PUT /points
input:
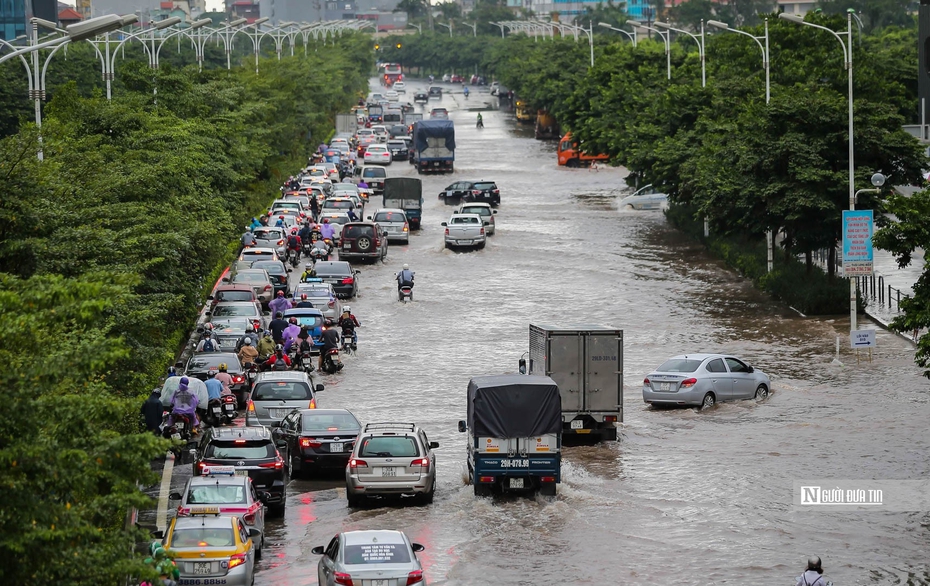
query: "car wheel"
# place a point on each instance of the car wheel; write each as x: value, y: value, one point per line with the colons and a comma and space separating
x: 277, y: 510
x: 481, y: 246
x: 762, y: 393
x: 258, y: 551
x: 354, y: 502
x: 708, y: 402
x: 363, y: 244
x: 427, y: 497
x: 482, y: 490
x: 547, y: 489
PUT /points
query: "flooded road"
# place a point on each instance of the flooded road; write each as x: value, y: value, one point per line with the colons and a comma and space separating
x: 682, y: 497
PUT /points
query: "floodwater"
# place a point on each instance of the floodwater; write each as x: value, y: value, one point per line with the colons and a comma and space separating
x: 682, y: 497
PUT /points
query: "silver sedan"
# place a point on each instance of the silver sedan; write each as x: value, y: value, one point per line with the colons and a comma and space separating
x: 704, y: 380
x: 378, y: 558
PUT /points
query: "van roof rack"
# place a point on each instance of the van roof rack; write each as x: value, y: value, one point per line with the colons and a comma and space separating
x: 390, y: 425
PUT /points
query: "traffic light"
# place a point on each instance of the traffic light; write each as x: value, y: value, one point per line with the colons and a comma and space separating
x: 398, y: 45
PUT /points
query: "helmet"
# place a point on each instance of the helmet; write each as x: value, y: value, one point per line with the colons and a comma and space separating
x: 406, y: 267
x: 308, y: 266
x: 172, y: 371
x: 280, y: 293
x: 281, y: 217
x: 247, y: 341
x: 222, y: 367
x: 294, y: 230
x: 211, y: 373
x: 279, y: 348
x: 326, y: 220
x: 249, y: 328
x: 347, y: 309
x: 813, y: 563
x: 293, y: 320
x: 208, y: 327
x: 268, y: 334
x: 303, y: 296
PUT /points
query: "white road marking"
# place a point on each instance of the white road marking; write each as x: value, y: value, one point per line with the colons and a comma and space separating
x: 161, y: 514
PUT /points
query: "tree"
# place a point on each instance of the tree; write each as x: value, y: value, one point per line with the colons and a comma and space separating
x: 875, y: 14
x: 613, y: 14
x: 415, y: 9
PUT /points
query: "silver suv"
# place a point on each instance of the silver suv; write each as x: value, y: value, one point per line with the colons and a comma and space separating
x: 277, y: 393
x: 391, y: 459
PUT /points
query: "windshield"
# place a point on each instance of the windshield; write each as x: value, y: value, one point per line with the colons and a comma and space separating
x: 203, y: 537
x: 257, y: 253
x: 233, y: 295
x: 271, y: 266
x: 212, y: 361
x: 376, y: 553
x: 333, y: 270
x: 311, y: 321
x: 464, y: 220
x: 216, y: 494
x: 339, y: 205
x: 480, y: 210
x: 248, y: 450
x: 268, y: 233
x: 485, y: 186
x: 227, y: 326
x: 389, y: 447
x: 235, y: 310
x: 313, y: 292
x: 374, y: 172
x: 679, y: 365
x: 249, y: 277
x: 390, y: 217
x: 330, y: 422
x: 281, y: 391
x: 397, y: 144
x: 337, y: 219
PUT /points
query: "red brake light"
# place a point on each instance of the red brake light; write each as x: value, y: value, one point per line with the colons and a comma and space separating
x: 239, y: 441
x: 447, y: 231
x: 280, y: 242
x: 475, y: 192
x: 486, y: 479
x: 547, y: 479
x: 421, y: 463
x: 249, y: 518
x: 343, y: 579
x: 348, y: 281
x: 610, y: 418
x: 645, y: 381
x: 267, y: 287
x: 238, y: 378
x: 183, y: 511
x: 481, y: 231
x: 277, y: 464
x: 497, y: 191
x: 236, y: 559
x: 309, y: 442
x: 200, y: 467
x: 356, y: 463
x: 414, y: 577
x: 688, y: 382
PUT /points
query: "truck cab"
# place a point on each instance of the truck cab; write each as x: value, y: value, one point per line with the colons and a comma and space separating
x: 405, y: 193
x: 571, y: 155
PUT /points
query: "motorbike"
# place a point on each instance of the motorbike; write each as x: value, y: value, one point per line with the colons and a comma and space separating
x: 465, y: 91
x: 320, y: 251
x: 214, y: 415
x: 295, y: 258
x: 181, y: 429
x: 349, y: 343
x: 331, y: 362
x: 303, y: 360
x: 405, y: 293
x: 230, y: 408
x: 480, y: 124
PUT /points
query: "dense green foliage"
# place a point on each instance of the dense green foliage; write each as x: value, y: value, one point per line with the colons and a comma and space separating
x: 107, y: 249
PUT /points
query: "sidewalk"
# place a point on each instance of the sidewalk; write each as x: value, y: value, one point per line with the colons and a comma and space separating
x: 884, y: 307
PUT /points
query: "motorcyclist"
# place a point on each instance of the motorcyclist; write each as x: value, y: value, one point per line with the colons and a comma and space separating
x: 225, y: 378
x: 152, y: 412
x: 304, y: 301
x: 405, y: 277
x: 304, y: 234
x: 266, y: 345
x: 315, y: 233
x: 294, y: 244
x: 327, y: 231
x: 214, y: 391
x: 277, y: 327
x: 309, y: 272
x: 249, y: 333
x: 314, y: 204
x: 280, y: 222
x: 352, y: 215
x: 480, y: 121
x: 263, y: 220
x: 278, y: 359
x: 208, y: 340
x: 280, y: 304
x: 465, y: 91
x: 248, y: 353
x: 290, y: 334
x: 255, y: 224
x: 330, y: 339
x: 813, y: 576
x: 184, y: 402
x: 348, y: 323
x: 164, y: 566
x: 247, y: 239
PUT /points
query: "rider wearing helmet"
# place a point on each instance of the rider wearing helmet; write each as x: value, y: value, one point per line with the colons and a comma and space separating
x: 208, y: 341
x: 327, y: 231
x: 279, y: 360
x: 348, y: 323
x: 304, y: 301
x: 309, y: 272
x: 290, y: 333
x: 266, y: 345
x: 225, y: 378
x: 405, y: 277
x: 248, y: 353
x: 249, y: 333
x: 813, y: 576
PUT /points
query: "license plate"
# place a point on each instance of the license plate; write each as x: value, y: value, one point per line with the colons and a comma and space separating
x: 577, y: 424
x: 202, y: 568
x: 176, y: 436
x: 347, y: 246
x: 229, y: 407
x: 179, y: 425
x: 277, y: 412
x: 335, y: 447
x: 217, y: 410
x: 242, y: 472
x: 665, y: 386
x: 389, y: 471
x: 463, y: 241
x: 516, y: 483
x: 381, y: 582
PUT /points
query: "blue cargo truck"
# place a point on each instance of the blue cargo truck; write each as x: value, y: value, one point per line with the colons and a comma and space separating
x: 434, y: 146
x: 514, y: 431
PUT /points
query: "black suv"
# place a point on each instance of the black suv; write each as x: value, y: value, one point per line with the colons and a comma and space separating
x: 250, y: 449
x: 435, y: 92
x: 420, y: 97
x: 365, y: 240
x: 472, y: 191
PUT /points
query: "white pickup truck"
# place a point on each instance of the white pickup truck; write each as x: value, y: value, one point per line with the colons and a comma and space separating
x: 465, y: 230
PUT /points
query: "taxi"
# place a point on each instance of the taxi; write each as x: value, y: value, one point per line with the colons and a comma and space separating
x: 229, y: 491
x: 212, y: 549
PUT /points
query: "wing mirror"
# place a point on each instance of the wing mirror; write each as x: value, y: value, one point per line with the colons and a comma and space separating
x: 433, y: 445
x: 493, y: 211
x: 318, y: 550
x: 158, y: 534
x: 174, y: 496
x: 444, y: 224
x: 318, y: 388
x: 416, y: 547
x: 522, y: 365
x: 463, y: 426
x: 254, y: 533
x: 750, y: 368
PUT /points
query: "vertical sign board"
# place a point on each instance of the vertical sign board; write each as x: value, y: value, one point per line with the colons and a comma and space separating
x: 857, y: 243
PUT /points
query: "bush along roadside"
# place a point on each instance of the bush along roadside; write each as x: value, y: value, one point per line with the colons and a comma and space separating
x: 807, y: 290
x: 107, y: 249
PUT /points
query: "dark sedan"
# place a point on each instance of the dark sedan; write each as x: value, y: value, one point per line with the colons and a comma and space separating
x: 201, y: 363
x: 340, y: 275
x: 318, y: 438
x: 420, y: 98
x: 277, y: 271
x: 398, y: 149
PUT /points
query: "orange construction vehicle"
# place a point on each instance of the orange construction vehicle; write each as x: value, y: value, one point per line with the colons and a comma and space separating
x: 570, y: 155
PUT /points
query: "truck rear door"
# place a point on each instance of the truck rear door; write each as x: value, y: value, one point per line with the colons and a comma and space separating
x: 603, y: 362
x: 565, y: 361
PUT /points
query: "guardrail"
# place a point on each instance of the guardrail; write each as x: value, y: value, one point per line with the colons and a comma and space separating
x: 874, y: 288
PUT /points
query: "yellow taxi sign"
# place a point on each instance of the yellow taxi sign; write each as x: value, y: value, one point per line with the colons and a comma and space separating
x: 205, y: 511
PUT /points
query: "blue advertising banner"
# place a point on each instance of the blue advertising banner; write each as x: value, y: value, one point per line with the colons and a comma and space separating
x: 857, y: 242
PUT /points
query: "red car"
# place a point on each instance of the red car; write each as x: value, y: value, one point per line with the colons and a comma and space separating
x: 458, y: 79
x: 232, y: 292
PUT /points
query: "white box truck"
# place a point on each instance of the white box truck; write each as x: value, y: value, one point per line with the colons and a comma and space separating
x: 586, y: 362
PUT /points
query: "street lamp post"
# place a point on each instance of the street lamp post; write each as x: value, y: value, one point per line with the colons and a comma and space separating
x: 847, y: 55
x: 419, y: 27
x: 474, y: 27
x: 500, y: 26
x: 448, y: 26
x: 700, y: 44
x: 665, y: 38
x: 632, y: 36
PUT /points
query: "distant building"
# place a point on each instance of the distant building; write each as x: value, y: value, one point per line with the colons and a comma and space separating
x: 317, y: 10
x: 69, y: 16
x: 568, y: 9
x: 148, y: 10
x: 15, y: 15
x: 795, y: 7
x: 247, y: 9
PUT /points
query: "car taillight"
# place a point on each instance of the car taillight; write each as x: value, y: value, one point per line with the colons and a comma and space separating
x: 183, y: 511
x: 406, y: 228
x: 610, y: 419
x: 447, y: 231
x: 497, y: 191
x: 200, y: 467
x: 309, y: 442
x: 414, y: 577
x: 688, y: 382
x: 481, y: 231
x: 475, y: 192
x: 332, y: 304
x: 277, y: 464
x: 645, y: 381
x: 420, y: 463
x: 267, y: 288
x: 238, y: 378
x: 237, y: 559
x: 355, y: 463
x: 342, y: 579
x: 249, y: 518
x: 312, y: 404
x: 251, y: 406
x: 348, y: 281
x: 547, y: 478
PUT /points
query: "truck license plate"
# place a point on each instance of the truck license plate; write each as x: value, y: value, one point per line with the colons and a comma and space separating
x: 389, y: 471
x: 665, y: 386
x: 335, y: 447
x: 516, y: 483
x: 577, y: 424
x: 202, y: 568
